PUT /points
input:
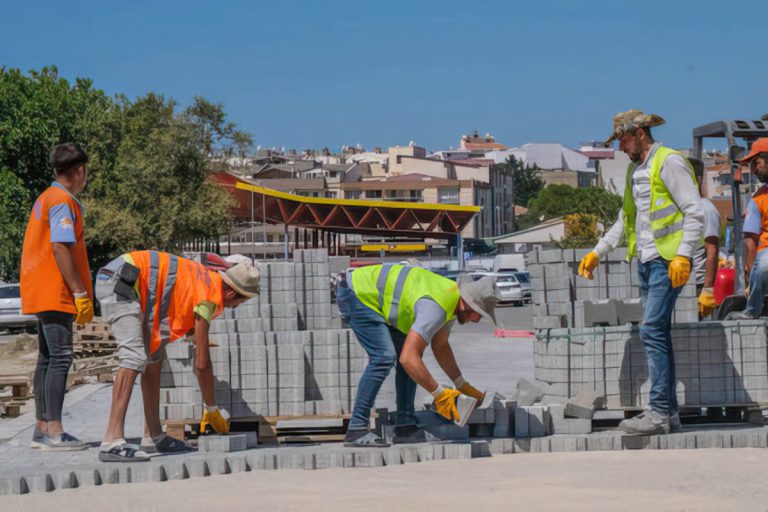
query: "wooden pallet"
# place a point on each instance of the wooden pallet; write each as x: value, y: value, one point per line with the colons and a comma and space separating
x: 272, y: 429
x: 10, y: 406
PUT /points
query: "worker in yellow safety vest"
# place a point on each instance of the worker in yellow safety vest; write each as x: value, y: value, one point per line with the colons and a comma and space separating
x: 661, y: 221
x: 396, y: 311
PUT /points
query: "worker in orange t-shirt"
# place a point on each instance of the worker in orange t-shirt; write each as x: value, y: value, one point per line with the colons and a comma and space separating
x: 56, y: 287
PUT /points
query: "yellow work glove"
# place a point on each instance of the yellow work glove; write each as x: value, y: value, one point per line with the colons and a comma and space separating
x: 470, y: 390
x: 445, y: 404
x: 84, y: 307
x: 679, y: 271
x: 214, y: 417
x: 588, y: 264
x: 706, y: 302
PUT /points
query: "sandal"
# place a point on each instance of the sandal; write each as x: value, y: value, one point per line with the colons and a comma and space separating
x: 170, y: 444
x: 123, y: 453
x: 365, y: 439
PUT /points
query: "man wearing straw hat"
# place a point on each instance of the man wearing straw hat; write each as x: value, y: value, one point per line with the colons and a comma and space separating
x: 150, y: 299
x: 661, y: 221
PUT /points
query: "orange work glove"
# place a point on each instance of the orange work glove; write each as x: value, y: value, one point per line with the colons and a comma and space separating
x: 470, y: 390
x: 706, y: 302
x: 216, y: 418
x: 84, y: 306
x: 679, y: 271
x: 588, y: 264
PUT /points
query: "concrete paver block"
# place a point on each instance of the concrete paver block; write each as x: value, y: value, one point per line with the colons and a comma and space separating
x: 528, y: 393
x: 223, y: 443
x: 584, y: 404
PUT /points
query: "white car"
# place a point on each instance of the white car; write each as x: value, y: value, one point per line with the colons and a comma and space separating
x: 508, y: 288
x: 11, y: 316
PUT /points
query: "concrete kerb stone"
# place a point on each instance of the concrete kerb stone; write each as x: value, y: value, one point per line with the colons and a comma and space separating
x: 330, y: 456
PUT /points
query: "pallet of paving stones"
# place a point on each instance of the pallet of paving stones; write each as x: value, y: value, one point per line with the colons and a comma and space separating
x: 562, y: 299
x: 717, y: 364
x: 282, y: 353
x: 93, y: 339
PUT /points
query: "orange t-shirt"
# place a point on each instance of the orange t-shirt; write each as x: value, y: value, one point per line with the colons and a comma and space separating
x: 56, y: 217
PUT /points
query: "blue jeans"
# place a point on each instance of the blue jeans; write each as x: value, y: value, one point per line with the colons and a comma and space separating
x: 758, y: 284
x: 656, y: 333
x: 383, y: 345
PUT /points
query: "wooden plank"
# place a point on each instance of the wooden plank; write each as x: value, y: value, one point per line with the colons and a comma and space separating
x: 312, y: 438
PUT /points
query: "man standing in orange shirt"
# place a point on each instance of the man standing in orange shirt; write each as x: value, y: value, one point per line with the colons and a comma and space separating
x: 56, y: 286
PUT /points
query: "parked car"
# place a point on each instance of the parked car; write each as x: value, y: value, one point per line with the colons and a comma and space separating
x: 525, y: 285
x: 11, y: 316
x: 509, y: 289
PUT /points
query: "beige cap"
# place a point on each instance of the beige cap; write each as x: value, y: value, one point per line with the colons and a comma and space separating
x: 630, y: 120
x: 242, y: 278
x: 480, y: 295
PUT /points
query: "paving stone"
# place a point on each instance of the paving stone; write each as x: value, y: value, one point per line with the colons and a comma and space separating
x: 480, y: 449
x: 531, y: 421
x: 528, y: 393
x: 37, y: 483
x: 87, y: 475
x: 584, y: 404
x: 559, y: 424
x: 175, y: 469
x: 237, y: 464
x: 223, y: 443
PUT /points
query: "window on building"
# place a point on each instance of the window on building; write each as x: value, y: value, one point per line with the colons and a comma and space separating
x: 373, y: 194
x: 415, y: 195
x: 448, y: 195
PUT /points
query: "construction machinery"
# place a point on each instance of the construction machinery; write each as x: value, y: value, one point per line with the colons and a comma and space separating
x: 735, y: 131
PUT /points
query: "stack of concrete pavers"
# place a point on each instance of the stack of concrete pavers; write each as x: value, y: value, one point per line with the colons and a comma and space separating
x: 281, y: 353
x: 562, y: 299
x: 716, y: 363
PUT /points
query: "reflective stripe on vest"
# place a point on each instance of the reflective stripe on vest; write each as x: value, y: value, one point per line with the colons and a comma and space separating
x: 151, y: 302
x: 666, y: 218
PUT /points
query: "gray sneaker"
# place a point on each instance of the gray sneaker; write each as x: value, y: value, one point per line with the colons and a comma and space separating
x: 647, y: 422
x: 38, y: 439
x: 739, y: 315
x: 62, y: 443
x: 674, y: 423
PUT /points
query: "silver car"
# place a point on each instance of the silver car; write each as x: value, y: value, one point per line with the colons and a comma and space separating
x: 11, y: 316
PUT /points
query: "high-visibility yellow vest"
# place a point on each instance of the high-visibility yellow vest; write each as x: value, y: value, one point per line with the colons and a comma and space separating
x: 666, y: 217
x: 392, y: 290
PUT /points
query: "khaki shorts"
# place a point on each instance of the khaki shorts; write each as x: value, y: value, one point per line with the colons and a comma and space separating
x: 126, y: 320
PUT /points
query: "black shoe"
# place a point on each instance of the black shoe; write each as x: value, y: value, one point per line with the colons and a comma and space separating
x: 408, y: 434
x: 364, y: 439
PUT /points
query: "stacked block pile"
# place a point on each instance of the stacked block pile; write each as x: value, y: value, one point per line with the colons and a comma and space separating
x: 717, y: 363
x: 563, y: 299
x: 281, y: 353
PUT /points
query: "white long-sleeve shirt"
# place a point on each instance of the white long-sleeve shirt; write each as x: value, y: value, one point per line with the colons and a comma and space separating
x: 676, y: 176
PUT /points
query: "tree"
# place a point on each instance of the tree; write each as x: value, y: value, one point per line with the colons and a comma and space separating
x: 561, y: 200
x: 37, y: 111
x: 526, y: 182
x: 148, y: 169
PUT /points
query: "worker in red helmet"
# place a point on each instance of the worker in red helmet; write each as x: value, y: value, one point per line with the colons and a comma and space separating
x: 756, y: 233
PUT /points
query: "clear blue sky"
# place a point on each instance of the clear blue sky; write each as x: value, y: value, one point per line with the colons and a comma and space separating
x: 326, y: 73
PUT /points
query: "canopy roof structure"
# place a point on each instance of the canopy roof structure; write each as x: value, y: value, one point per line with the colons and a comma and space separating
x: 382, y: 218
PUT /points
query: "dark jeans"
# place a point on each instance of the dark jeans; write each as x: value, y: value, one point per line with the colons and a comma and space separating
x: 53, y: 361
x: 383, y: 345
x: 656, y: 333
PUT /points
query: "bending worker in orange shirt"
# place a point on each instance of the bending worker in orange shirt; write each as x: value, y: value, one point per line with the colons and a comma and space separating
x: 150, y: 299
x: 56, y: 286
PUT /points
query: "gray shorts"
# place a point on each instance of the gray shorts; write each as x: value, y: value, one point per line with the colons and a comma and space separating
x: 126, y: 319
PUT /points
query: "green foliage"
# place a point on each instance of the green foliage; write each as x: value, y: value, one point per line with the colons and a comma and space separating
x: 14, y: 201
x: 149, y: 161
x: 580, y: 231
x: 560, y: 200
x: 526, y: 183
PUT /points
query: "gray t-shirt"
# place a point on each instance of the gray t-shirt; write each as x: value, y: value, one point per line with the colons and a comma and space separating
x: 429, y: 318
x: 711, y: 229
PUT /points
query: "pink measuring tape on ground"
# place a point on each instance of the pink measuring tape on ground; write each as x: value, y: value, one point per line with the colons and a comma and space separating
x: 512, y: 333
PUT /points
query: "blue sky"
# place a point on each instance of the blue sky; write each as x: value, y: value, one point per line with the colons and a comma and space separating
x: 313, y: 74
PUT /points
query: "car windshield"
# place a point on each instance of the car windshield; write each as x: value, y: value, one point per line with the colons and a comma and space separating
x: 522, y: 277
x: 506, y: 279
x: 9, y: 292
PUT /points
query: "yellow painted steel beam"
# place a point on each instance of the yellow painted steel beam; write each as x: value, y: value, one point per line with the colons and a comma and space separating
x: 356, y: 202
x: 393, y: 247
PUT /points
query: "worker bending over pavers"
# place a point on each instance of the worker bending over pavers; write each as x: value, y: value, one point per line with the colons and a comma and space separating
x: 396, y: 311
x: 150, y: 299
x: 661, y: 221
x: 756, y: 234
x: 56, y: 287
